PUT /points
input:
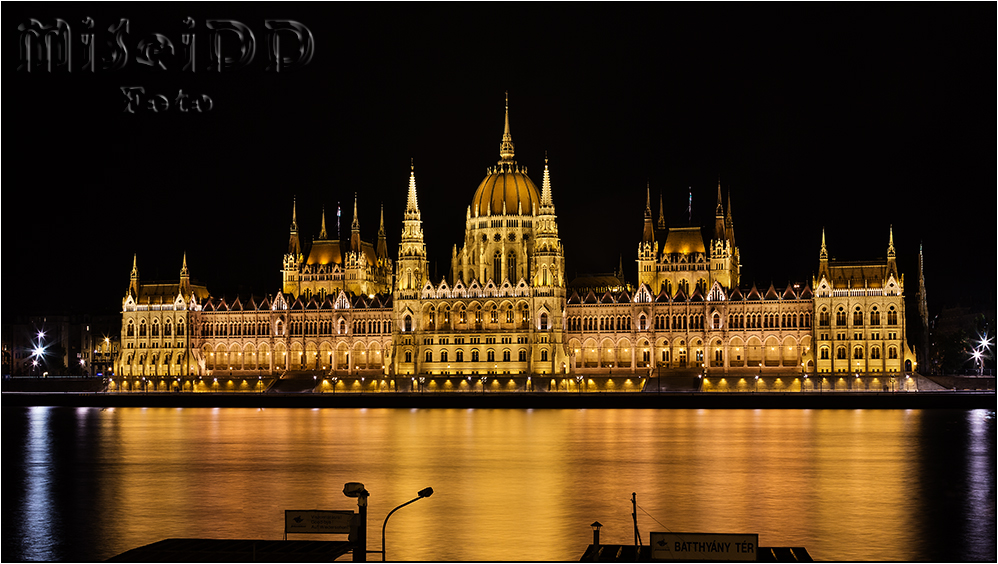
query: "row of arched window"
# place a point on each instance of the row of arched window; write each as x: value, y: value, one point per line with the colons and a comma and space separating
x: 490, y: 356
x: 857, y: 353
x: 154, y: 331
x: 600, y: 323
x: 769, y: 320
x: 824, y: 317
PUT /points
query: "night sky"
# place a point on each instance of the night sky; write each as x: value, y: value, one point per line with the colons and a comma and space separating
x: 850, y: 117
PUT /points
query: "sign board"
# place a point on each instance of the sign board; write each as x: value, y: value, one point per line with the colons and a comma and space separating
x: 704, y: 546
x: 317, y: 521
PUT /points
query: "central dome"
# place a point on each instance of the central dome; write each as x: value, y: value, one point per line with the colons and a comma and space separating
x: 506, y: 190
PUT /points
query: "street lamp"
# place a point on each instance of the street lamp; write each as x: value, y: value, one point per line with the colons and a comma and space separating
x: 578, y: 383
x: 357, y: 490
x: 426, y: 492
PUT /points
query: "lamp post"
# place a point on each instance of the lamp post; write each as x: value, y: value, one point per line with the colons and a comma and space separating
x: 578, y: 383
x: 357, y: 490
x: 426, y: 492
x: 596, y: 527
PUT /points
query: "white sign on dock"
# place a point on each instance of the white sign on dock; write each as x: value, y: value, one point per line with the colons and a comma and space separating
x: 317, y: 521
x: 704, y: 546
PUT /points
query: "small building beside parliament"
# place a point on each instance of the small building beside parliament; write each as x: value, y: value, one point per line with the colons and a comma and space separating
x: 349, y: 318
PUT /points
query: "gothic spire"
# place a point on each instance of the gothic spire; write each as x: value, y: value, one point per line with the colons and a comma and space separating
x: 506, y: 146
x: 546, y: 199
x: 411, y: 206
x: 649, y: 230
x: 322, y: 231
x: 355, y: 226
x: 661, y: 211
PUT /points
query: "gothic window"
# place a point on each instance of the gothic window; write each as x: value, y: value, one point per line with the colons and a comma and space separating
x: 840, y: 353
x: 544, y: 322
x: 509, y: 315
x: 443, y: 356
x: 180, y: 328
x: 892, y: 353
x: 167, y: 329
x: 824, y: 353
x: 142, y: 329
x: 840, y: 318
x: 511, y: 265
x: 408, y: 323
x: 497, y: 267
x: 131, y: 329
x: 857, y: 353
x: 522, y: 356
x: 343, y: 327
x: 459, y: 356
x: 491, y: 355
x: 642, y: 323
x: 717, y: 321
x: 474, y: 356
x: 505, y: 356
x: 462, y: 317
x: 155, y: 329
x: 429, y: 356
x: 875, y: 353
x: 494, y: 316
x: 857, y: 317
x: 874, y: 317
x: 892, y: 317
x: 544, y: 355
x: 408, y: 356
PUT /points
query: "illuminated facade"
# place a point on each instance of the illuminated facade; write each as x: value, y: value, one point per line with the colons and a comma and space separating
x: 506, y: 318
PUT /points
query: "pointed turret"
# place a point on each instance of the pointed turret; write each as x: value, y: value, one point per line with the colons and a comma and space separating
x: 661, y: 212
x: 382, y: 242
x: 649, y: 230
x: 185, y: 280
x: 729, y: 223
x: 823, y: 258
x: 892, y: 268
x: 411, y: 268
x: 294, y: 246
x: 133, y: 284
x: 411, y: 205
x: 355, y: 228
x: 322, y: 231
x: 547, y: 202
x: 719, y: 227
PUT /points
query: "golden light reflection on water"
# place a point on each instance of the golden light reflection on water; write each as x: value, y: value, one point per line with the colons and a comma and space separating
x: 516, y: 484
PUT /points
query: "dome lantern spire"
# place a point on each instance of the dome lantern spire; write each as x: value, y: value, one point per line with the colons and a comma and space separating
x: 506, y: 146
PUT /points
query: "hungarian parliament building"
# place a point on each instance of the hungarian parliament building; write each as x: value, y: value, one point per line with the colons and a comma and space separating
x: 349, y: 317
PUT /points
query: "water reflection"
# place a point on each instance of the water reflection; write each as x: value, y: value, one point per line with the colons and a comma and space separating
x: 508, y: 484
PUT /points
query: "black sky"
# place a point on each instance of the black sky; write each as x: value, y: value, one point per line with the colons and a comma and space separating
x: 851, y: 117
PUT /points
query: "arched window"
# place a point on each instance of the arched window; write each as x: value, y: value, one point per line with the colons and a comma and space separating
x: 544, y: 322
x: 443, y: 356
x: 511, y: 267
x: 642, y: 323
x: 491, y: 355
x: 840, y: 318
x: 875, y: 353
x: 892, y: 316
x: 840, y: 353
x: 857, y: 353
x: 474, y: 355
x: 892, y: 353
x: 544, y: 355
x: 429, y: 356
x: 824, y: 353
x: 131, y: 329
x: 874, y: 316
x: 522, y: 356
x: 857, y: 316
x: 505, y: 356
x: 497, y: 267
x: 408, y: 323
x: 459, y: 356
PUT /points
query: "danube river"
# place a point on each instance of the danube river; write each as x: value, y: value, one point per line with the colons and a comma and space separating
x: 84, y: 484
